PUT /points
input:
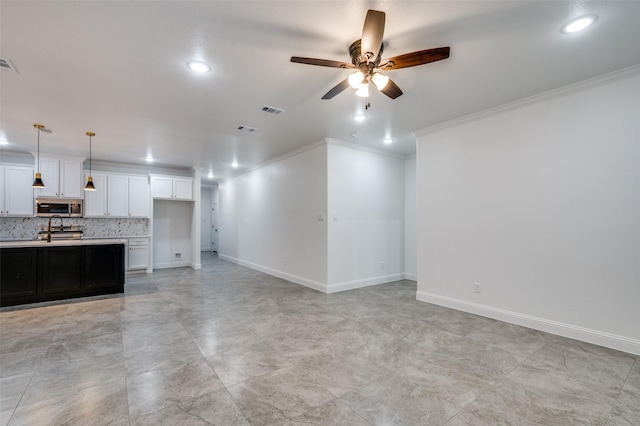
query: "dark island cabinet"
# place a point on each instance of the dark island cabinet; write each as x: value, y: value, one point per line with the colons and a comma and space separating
x: 18, y: 274
x: 61, y: 269
x: 104, y: 267
x: 39, y: 274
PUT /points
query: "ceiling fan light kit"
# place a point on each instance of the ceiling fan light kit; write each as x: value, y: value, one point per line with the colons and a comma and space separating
x: 366, y: 58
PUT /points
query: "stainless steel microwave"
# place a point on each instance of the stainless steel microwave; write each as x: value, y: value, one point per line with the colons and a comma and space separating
x: 63, y: 207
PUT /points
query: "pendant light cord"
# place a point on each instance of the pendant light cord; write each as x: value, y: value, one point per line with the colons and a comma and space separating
x: 38, y: 149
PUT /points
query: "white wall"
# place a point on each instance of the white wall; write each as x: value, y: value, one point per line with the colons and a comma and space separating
x: 172, y: 233
x: 269, y: 217
x: 539, y: 203
x: 410, y: 219
x: 366, y: 217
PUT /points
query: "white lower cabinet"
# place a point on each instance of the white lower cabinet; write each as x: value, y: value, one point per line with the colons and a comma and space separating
x: 137, y: 256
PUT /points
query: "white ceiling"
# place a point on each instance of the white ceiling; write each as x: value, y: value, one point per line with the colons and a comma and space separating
x: 119, y: 69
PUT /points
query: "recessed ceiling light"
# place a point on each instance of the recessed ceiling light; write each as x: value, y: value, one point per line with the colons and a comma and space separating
x: 149, y: 159
x: 359, y: 117
x: 388, y: 141
x: 198, y: 66
x: 579, y: 24
x: 234, y: 164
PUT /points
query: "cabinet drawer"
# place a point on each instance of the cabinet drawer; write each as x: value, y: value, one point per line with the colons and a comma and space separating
x: 138, y: 241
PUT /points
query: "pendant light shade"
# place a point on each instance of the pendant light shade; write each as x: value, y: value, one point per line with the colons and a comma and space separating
x: 89, y: 186
x: 37, y: 182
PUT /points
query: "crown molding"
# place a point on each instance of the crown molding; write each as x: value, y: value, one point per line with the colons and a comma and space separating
x: 622, y: 74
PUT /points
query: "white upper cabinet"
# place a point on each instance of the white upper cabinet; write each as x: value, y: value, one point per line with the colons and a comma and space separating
x: 161, y: 187
x: 62, y: 177
x: 183, y: 188
x: 118, y: 195
x: 16, y: 194
x: 172, y: 187
x: 95, y: 202
x: 139, y: 200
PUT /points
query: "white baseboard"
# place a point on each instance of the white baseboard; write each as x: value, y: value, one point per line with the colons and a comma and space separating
x: 168, y: 265
x: 410, y: 277
x: 351, y: 285
x: 277, y: 273
x: 325, y: 288
x: 596, y: 337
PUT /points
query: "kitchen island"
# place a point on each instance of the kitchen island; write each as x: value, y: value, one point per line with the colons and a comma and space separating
x: 40, y: 271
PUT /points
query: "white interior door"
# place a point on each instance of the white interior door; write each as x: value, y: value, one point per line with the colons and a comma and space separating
x: 205, y: 217
x: 214, y: 227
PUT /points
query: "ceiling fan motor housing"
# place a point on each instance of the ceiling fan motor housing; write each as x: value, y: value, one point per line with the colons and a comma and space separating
x: 357, y: 59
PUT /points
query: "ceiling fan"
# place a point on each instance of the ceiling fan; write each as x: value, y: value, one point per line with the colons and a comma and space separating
x: 366, y: 55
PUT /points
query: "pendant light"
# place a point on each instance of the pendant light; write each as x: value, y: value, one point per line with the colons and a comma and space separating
x: 89, y: 186
x: 37, y: 182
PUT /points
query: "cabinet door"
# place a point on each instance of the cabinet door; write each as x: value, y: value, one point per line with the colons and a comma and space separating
x: 161, y: 187
x: 104, y: 266
x: 62, y: 270
x: 50, y: 171
x: 117, y: 196
x: 139, y: 196
x: 18, y: 192
x: 183, y: 188
x: 95, y: 202
x: 18, y: 274
x: 138, y: 257
x: 2, y: 211
x: 71, y: 185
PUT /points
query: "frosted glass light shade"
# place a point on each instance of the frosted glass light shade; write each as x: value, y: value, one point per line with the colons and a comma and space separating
x: 355, y: 79
x: 363, y: 91
x: 380, y: 80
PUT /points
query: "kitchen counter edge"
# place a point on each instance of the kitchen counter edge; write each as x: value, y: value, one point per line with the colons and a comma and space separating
x: 43, y: 243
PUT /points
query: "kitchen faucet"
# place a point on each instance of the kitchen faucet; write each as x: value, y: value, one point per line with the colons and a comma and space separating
x: 49, y: 230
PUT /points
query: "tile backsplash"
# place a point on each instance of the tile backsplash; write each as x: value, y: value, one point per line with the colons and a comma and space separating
x: 26, y: 228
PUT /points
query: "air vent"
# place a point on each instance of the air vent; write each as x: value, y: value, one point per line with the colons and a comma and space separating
x: 272, y: 110
x: 6, y: 65
x: 246, y: 128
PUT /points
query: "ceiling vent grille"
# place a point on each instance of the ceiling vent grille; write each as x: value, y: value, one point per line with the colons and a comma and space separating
x: 6, y: 65
x: 246, y: 128
x: 272, y: 110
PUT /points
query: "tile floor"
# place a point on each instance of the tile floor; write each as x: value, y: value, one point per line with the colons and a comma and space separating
x: 227, y: 345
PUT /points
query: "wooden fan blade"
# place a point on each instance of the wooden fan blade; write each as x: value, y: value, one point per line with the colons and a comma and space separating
x: 416, y: 58
x: 372, y: 34
x: 391, y: 90
x: 337, y: 89
x: 321, y: 62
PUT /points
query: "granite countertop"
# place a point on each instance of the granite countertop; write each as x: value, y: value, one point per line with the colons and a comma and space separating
x: 102, y: 237
x: 54, y: 243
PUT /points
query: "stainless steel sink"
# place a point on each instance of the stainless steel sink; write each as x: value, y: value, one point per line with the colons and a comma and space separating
x: 67, y: 233
x: 60, y: 236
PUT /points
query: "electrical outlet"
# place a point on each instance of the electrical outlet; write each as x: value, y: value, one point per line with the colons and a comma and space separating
x: 177, y: 256
x: 476, y: 287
